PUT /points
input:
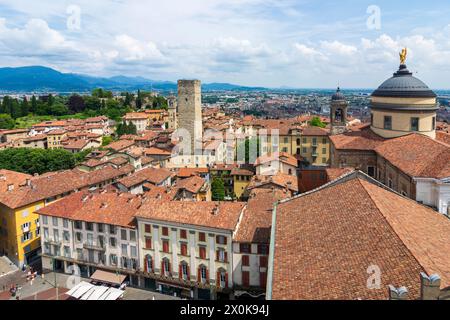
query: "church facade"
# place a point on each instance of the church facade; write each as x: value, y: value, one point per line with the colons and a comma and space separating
x: 399, y: 147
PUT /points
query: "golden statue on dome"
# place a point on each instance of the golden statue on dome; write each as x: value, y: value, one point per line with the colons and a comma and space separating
x: 403, y: 55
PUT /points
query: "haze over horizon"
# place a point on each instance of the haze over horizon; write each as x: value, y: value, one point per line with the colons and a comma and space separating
x: 284, y: 43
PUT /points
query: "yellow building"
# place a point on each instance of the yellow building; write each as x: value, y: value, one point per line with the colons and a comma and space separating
x: 54, y: 139
x: 315, y: 146
x: 241, y: 179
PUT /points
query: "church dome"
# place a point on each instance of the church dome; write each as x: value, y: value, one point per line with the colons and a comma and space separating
x: 338, y: 96
x: 404, y: 85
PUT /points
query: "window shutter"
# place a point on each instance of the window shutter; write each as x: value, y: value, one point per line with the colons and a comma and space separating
x: 218, y: 279
x: 151, y: 266
x: 199, y: 275
x: 263, y: 262
x: 263, y: 279
x: 226, y: 280
x: 170, y: 269
x: 180, y: 272
x: 217, y: 255
x: 225, y: 240
x: 162, y: 268
x: 188, y: 273
x: 226, y: 256
x: 145, y: 265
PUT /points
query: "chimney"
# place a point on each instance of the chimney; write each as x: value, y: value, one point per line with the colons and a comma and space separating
x: 85, y: 198
x: 430, y: 286
x: 28, y: 182
x: 2, y: 177
x: 215, y: 210
x: 10, y: 187
x: 398, y: 293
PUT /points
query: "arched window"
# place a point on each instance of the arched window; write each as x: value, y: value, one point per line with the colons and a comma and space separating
x: 148, y: 263
x: 202, y: 274
x: 184, y: 271
x: 222, y: 278
x: 165, y: 267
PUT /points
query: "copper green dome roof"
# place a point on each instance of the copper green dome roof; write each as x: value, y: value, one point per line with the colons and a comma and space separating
x: 404, y: 85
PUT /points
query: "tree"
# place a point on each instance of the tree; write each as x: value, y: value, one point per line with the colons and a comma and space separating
x: 106, y: 141
x: 92, y: 103
x: 33, y: 104
x: 316, y: 122
x: 76, y: 104
x: 6, y: 122
x: 33, y: 161
x: 25, y: 107
x: 218, y: 189
x: 58, y: 109
x: 139, y: 100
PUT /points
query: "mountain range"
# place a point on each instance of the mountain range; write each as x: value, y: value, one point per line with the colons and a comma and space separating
x: 43, y: 79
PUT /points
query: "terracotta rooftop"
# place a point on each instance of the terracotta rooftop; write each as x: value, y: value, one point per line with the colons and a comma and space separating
x: 108, y: 207
x: 58, y: 183
x: 256, y: 220
x: 16, y: 179
x: 417, y: 155
x: 335, y: 173
x: 219, y: 215
x: 192, y: 184
x: 364, y: 139
x: 157, y: 152
x: 325, y: 241
x: 281, y: 180
x: 120, y: 145
x: 136, y: 116
x: 152, y: 175
x: 188, y: 172
x: 281, y: 157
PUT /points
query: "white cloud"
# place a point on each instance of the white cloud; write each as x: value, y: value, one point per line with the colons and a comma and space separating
x: 336, y: 47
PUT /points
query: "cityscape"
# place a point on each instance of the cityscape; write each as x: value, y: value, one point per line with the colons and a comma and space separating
x: 209, y: 187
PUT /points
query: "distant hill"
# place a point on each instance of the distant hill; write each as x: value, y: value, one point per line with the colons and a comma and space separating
x: 43, y: 79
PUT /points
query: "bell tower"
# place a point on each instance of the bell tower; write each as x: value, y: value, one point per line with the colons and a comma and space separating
x: 338, y: 113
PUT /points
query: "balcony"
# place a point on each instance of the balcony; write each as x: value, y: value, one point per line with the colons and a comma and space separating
x: 92, y: 246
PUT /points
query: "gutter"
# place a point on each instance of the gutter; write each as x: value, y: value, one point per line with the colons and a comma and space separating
x: 271, y: 253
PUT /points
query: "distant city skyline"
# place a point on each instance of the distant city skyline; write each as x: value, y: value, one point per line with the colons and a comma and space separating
x: 269, y: 43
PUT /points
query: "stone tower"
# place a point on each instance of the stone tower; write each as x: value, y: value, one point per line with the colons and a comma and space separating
x: 338, y: 113
x: 173, y: 112
x: 190, y: 112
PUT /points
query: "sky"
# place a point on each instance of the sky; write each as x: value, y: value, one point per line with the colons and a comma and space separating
x: 271, y: 43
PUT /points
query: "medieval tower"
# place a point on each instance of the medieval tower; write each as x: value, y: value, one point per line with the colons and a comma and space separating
x: 173, y: 112
x: 190, y: 112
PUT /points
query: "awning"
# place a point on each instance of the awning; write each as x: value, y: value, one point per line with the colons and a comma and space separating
x: 108, y: 277
x: 88, y: 291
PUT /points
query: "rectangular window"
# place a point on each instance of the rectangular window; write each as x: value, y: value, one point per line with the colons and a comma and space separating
x: 414, y: 124
x: 244, y: 248
x: 165, y: 231
x: 305, y: 150
x: 89, y: 226
x: 45, y: 233
x: 165, y: 246
x: 90, y: 239
x: 147, y: 228
x: 132, y: 235
x: 263, y: 249
x: 66, y: 236
x: 148, y: 243
x: 263, y: 261
x: 183, y: 234
x: 112, y: 229
x: 113, y: 242
x: 202, y: 252
x: 324, y: 150
x: 202, y: 237
x: 45, y: 220
x: 65, y: 223
x: 183, y: 248
x: 100, y: 227
x: 324, y: 140
x: 245, y: 261
x: 133, y: 251
x: 79, y: 237
x: 221, y: 240
x: 123, y: 234
x: 124, y: 249
x: 56, y: 235
x: 245, y: 278
x: 55, y: 221
x: 78, y: 225
x: 387, y: 122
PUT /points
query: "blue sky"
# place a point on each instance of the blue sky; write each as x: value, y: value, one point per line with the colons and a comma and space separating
x: 296, y: 43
